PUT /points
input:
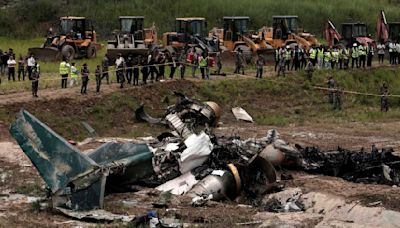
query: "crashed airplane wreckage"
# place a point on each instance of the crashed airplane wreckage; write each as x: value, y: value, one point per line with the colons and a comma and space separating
x: 188, y: 160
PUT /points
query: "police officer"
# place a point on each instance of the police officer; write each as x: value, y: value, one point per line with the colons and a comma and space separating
x: 384, y: 91
x: 129, y: 68
x: 331, y: 85
x: 64, y: 70
x: 362, y: 55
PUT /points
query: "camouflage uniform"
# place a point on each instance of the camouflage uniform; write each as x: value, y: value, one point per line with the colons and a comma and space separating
x: 337, y: 104
x: 384, y: 98
x: 331, y: 85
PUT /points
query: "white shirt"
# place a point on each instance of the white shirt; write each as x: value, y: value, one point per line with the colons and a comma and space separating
x: 11, y: 63
x: 381, y: 49
x: 31, y: 61
x: 119, y: 61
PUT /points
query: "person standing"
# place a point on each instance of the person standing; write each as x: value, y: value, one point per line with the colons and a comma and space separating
x: 30, y: 63
x: 327, y: 59
x: 331, y: 86
x: 296, y: 59
x: 4, y: 59
x: 288, y: 57
x: 145, y: 70
x: 260, y: 66
x: 313, y: 55
x: 218, y: 62
x: 309, y: 70
x: 98, y: 74
x: 182, y: 66
x: 370, y: 55
x: 320, y: 56
x: 239, y: 61
x: 337, y: 103
x: 282, y: 64
x: 161, y: 59
x: 21, y: 68
x: 362, y: 55
x: 152, y: 66
x: 277, y: 54
x: 129, y: 68
x: 35, y: 79
x: 11, y: 63
x: 354, y: 56
x: 172, y: 65
x: 334, y: 57
x: 384, y: 91
x: 346, y: 57
x: 105, y: 63
x: 340, y: 57
x: 85, y: 78
x: 381, y: 52
x: 119, y: 66
x: 203, y: 66
x: 64, y: 70
x: 392, y: 50
x: 136, y: 62
x: 74, y: 75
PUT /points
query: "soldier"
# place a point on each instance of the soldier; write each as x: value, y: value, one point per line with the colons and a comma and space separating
x: 129, y: 68
x: 337, y: 105
x: 260, y: 66
x: 384, y: 91
x: 105, y: 64
x: 35, y: 74
x: 309, y: 69
x: 136, y: 62
x: 97, y: 73
x: 331, y: 85
x: 282, y: 65
x: 239, y: 61
x: 219, y: 63
x: 182, y: 59
x: 85, y: 78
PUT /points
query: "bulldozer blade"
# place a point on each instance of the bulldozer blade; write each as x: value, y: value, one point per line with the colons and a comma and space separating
x: 268, y: 54
x: 46, y: 54
x: 113, y: 52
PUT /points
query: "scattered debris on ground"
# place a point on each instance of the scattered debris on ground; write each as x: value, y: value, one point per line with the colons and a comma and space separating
x: 190, y: 160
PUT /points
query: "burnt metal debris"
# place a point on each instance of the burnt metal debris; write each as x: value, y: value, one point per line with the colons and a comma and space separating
x: 189, y: 159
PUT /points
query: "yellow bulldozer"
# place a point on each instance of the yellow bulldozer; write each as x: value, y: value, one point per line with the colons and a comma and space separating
x: 284, y: 31
x: 131, y: 38
x: 75, y: 38
x: 235, y: 36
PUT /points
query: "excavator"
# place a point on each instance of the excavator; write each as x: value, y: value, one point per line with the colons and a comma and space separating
x: 190, y: 32
x: 351, y: 33
x: 284, y: 32
x: 387, y: 31
x: 131, y: 38
x: 76, y: 38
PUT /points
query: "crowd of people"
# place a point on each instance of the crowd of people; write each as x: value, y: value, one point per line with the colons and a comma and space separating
x: 152, y: 67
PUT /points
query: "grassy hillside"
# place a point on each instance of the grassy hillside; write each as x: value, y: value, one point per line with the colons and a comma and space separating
x: 25, y: 17
x: 271, y: 101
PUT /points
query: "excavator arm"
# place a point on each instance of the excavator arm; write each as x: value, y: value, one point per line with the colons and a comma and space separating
x: 331, y: 33
x: 382, y: 28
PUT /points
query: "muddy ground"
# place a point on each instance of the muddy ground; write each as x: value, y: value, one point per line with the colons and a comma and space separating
x: 19, y: 179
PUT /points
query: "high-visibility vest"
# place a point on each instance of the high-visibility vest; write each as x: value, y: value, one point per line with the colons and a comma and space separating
x: 354, y: 53
x: 346, y: 53
x: 327, y: 56
x: 288, y: 55
x: 64, y: 68
x: 313, y: 54
x: 361, y: 50
x: 340, y: 54
x: 335, y: 56
x: 203, y: 62
x: 320, y: 53
x: 74, y: 72
x: 276, y: 54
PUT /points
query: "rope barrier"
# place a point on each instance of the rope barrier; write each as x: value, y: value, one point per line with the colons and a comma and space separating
x: 188, y: 64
